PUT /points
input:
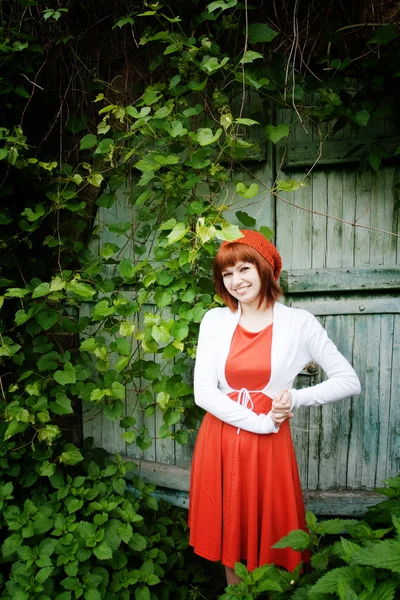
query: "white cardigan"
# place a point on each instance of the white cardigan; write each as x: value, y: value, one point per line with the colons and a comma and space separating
x: 297, y: 339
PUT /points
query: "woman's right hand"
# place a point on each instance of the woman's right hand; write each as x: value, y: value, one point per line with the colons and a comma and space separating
x: 281, y: 404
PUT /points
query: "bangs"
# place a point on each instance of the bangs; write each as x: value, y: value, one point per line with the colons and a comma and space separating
x: 232, y: 253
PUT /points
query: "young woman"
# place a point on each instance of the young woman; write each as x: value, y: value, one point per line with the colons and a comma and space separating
x: 245, y: 490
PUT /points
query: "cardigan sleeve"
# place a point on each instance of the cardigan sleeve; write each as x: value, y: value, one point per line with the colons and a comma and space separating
x: 342, y: 381
x: 208, y: 396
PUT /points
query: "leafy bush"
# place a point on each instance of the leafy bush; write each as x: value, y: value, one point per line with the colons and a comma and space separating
x: 80, y: 532
x: 350, y: 559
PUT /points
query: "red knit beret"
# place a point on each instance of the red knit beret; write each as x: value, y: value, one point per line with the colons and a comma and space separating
x: 260, y: 243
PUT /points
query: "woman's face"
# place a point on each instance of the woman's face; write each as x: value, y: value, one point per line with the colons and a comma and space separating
x: 243, y: 282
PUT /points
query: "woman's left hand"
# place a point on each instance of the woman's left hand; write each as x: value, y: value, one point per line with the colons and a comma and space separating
x: 281, y: 407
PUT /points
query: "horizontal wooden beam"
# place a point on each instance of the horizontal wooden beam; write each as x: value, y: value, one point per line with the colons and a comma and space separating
x: 173, y: 484
x: 340, y: 502
x: 163, y: 475
x: 339, y: 151
x: 300, y: 281
x: 350, y: 307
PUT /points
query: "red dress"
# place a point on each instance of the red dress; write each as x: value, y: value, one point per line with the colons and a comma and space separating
x: 245, y: 492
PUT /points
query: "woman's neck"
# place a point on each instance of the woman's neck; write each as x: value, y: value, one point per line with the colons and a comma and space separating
x: 255, y: 319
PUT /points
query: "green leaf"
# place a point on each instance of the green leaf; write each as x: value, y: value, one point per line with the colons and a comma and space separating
x: 22, y: 317
x: 222, y: 4
x: 298, y: 540
x: 245, y: 121
x: 95, y: 179
x: 385, y: 34
x: 14, y: 428
x: 241, y: 571
x: 179, y: 330
x: 137, y: 542
x: 163, y: 297
x: 102, y: 310
x: 211, y: 64
x: 385, y: 555
x: 47, y: 362
x: 179, y: 231
x: 247, y: 192
x: 260, y: 32
x: 122, y: 346
x: 289, y: 185
x: 267, y: 232
x: 71, y: 455
x: 88, y: 345
x: 62, y: 405
x: 205, y: 136
x: 47, y: 469
x: 88, y: 141
x: 47, y: 317
x: 277, y: 133
x: 44, y: 574
x: 109, y: 249
x: 11, y: 544
x: 329, y: 583
x: 121, y: 363
x: 119, y: 485
x: 249, y: 56
x: 361, y: 118
x: 68, y: 375
x: 229, y: 232
x: 92, y: 593
x: 334, y: 526
x: 142, y: 593
x: 16, y: 293
x: 161, y: 333
x: 84, y: 290
x: 375, y: 159
x: 103, y: 551
x: 33, y: 216
x: 43, y: 289
x: 245, y: 219
x: 385, y: 590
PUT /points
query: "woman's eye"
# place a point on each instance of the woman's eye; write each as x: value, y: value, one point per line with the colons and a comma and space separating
x: 225, y: 275
x: 244, y: 268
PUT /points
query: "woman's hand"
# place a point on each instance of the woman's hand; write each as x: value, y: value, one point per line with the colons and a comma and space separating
x: 280, y: 410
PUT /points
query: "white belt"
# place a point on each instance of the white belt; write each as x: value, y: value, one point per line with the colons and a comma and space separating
x: 245, y: 400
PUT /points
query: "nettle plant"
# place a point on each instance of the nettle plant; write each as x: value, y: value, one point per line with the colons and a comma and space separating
x: 350, y: 559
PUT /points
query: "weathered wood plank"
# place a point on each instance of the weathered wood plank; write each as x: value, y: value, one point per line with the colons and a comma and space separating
x: 362, y: 255
x: 393, y: 445
x: 340, y: 502
x: 299, y: 281
x: 356, y: 437
x: 319, y: 223
x: 385, y: 395
x: 350, y: 307
x: 369, y: 443
x: 335, y: 423
x: 299, y: 427
x: 174, y: 483
x: 335, y: 229
x: 348, y: 199
x: 334, y: 151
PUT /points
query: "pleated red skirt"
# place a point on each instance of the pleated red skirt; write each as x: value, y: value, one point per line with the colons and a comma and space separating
x: 245, y: 492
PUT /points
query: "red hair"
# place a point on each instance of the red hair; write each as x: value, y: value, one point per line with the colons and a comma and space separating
x: 230, y: 254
